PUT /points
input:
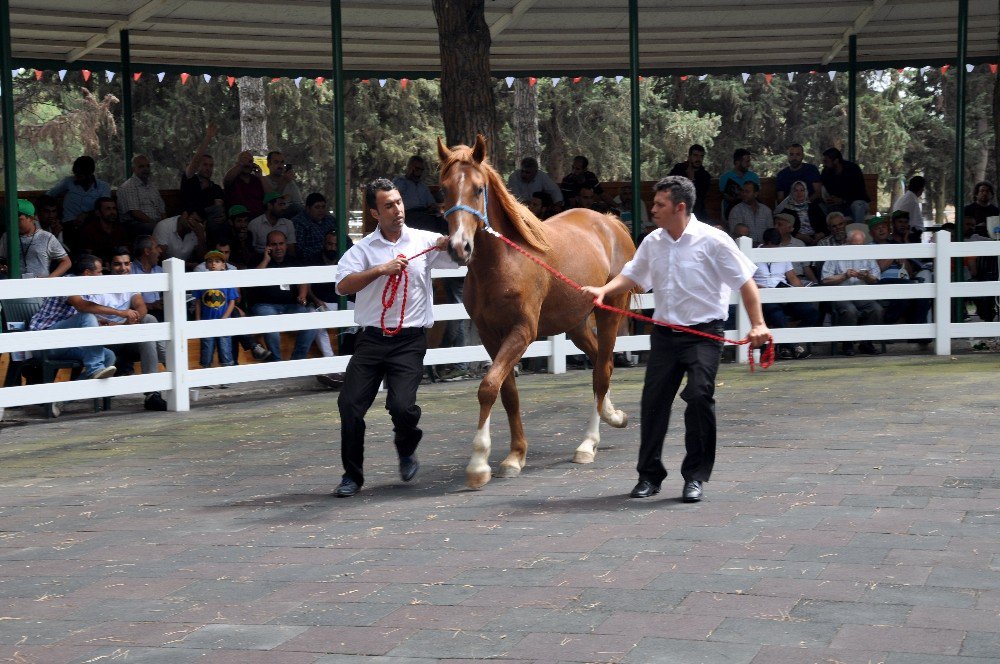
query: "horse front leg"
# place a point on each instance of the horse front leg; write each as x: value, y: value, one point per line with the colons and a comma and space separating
x: 478, y: 473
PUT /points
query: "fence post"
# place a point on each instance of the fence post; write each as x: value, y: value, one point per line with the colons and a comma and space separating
x: 557, y: 359
x: 942, y: 293
x: 175, y: 313
x: 742, y: 315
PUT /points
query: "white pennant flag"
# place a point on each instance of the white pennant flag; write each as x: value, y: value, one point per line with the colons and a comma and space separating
x: 555, y: 81
x: 109, y: 74
x: 924, y: 70
x: 746, y: 77
x: 298, y: 81
x: 62, y: 74
x: 207, y: 77
x: 879, y: 72
x: 618, y: 79
x: 509, y: 80
x: 703, y: 77
x: 832, y: 74
x: 381, y: 82
x: 791, y: 76
x: 159, y: 77
x: 969, y: 68
x: 598, y: 79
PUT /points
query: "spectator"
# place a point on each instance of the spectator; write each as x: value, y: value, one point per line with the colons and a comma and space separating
x: 221, y: 247
x: 740, y: 230
x: 837, y: 223
x: 751, y: 212
x: 910, y: 201
x: 72, y: 311
x: 541, y: 205
x: 421, y: 207
x: 181, y: 237
x: 281, y: 179
x: 781, y: 274
x: 693, y: 170
x: 49, y: 219
x: 528, y: 179
x: 851, y: 312
x: 578, y: 178
x: 198, y: 191
x: 810, y: 222
x: 731, y: 182
x: 238, y: 234
x: 798, y: 171
x: 312, y: 225
x: 982, y: 205
x: 897, y: 271
x: 784, y: 223
x: 80, y: 191
x: 215, y: 304
x: 281, y: 299
x: 243, y: 184
x: 324, y: 297
x: 39, y: 248
x: 273, y: 219
x: 902, y: 231
x: 845, y: 186
x: 129, y: 309
x: 623, y: 203
x: 102, y: 234
x: 139, y: 203
x: 587, y: 198
x: 147, y: 261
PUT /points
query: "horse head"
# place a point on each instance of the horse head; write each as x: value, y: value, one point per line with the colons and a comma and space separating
x: 464, y: 186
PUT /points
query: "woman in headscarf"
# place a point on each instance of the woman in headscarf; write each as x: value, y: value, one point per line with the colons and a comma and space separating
x: 810, y: 225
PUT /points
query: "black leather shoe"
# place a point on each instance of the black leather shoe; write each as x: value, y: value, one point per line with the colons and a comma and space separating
x: 347, y: 488
x: 692, y: 491
x: 408, y: 467
x: 645, y: 489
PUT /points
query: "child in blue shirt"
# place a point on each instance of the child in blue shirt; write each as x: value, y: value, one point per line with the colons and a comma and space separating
x: 213, y: 304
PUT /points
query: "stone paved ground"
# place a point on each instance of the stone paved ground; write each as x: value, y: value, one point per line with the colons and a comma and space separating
x: 853, y: 517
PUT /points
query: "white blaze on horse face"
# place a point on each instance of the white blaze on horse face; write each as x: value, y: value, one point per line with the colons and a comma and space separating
x: 463, y: 238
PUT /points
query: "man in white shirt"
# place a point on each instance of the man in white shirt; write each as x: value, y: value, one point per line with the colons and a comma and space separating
x: 910, y: 201
x: 139, y: 202
x: 528, y: 179
x: 856, y: 272
x: 691, y: 268
x: 392, y: 343
x: 181, y: 237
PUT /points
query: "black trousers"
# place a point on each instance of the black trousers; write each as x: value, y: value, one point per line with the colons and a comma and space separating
x: 672, y: 356
x: 399, y: 360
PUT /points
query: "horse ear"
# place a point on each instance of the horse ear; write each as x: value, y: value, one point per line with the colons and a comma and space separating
x: 479, y: 151
x: 443, y: 152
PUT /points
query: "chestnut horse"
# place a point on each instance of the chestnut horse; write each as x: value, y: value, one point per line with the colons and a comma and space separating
x: 512, y: 300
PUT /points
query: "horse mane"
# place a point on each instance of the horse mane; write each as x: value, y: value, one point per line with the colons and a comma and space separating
x: 526, y: 224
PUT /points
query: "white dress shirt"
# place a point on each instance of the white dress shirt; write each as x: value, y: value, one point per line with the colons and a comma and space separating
x: 910, y: 202
x: 541, y: 182
x: 374, y: 250
x: 691, y: 277
x: 769, y: 275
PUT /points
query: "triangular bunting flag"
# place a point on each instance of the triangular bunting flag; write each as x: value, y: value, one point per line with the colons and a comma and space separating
x: 832, y: 74
x: 365, y: 81
x: 598, y: 79
x: 231, y: 80
x: 108, y: 74
x: 38, y: 74
x: 160, y: 76
x: 404, y: 82
x: 298, y: 81
x: 577, y: 79
x: 381, y: 82
x: 319, y: 80
x: 969, y: 68
x: 184, y: 78
x: 878, y: 73
x: 993, y: 69
x: 207, y: 77
x: 768, y: 78
x: 746, y: 77
x: 703, y: 77
x: 275, y: 79
x: 684, y: 77
x: 510, y: 81
x: 136, y: 76
x: 531, y: 81
x: 791, y: 76
x: 944, y: 69
x: 555, y: 81
x: 618, y: 79
x: 62, y: 74
x: 86, y: 74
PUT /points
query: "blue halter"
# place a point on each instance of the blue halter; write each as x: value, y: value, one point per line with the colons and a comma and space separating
x: 484, y: 216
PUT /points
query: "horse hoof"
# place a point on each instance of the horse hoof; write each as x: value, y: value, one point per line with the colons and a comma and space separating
x: 583, y: 457
x: 477, y: 480
x: 508, y: 471
x: 618, y: 420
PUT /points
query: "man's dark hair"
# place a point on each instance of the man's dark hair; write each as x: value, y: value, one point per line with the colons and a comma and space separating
x: 314, y: 198
x: 756, y: 185
x: 101, y: 201
x: 46, y: 201
x: 122, y: 251
x: 772, y: 236
x: 415, y: 159
x: 583, y: 160
x: 375, y: 186
x: 529, y: 162
x: 545, y: 197
x: 740, y: 153
x: 916, y: 183
x: 796, y: 145
x: 193, y: 209
x: 975, y: 190
x: 272, y: 153
x: 696, y: 148
x: 833, y: 153
x: 85, y: 262
x: 84, y: 165
x: 680, y: 190
x: 899, y: 214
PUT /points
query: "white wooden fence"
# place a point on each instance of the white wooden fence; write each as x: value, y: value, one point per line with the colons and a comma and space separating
x: 178, y: 380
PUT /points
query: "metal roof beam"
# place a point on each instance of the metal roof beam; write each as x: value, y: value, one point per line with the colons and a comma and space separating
x: 515, y: 13
x: 138, y: 16
x: 859, y: 23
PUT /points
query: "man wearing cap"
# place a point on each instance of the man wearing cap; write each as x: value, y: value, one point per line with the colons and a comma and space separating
x: 243, y: 184
x: 731, y: 182
x: 38, y: 248
x: 181, y: 237
x: 272, y: 220
x: 139, y: 202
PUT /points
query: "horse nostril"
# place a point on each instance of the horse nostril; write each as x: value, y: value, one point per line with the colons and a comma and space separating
x: 468, y: 248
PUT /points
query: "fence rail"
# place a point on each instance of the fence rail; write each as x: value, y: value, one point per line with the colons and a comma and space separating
x: 174, y: 283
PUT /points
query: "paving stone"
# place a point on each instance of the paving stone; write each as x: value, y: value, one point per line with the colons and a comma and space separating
x: 679, y: 651
x: 577, y: 620
x: 457, y: 644
x: 910, y: 658
x: 850, y: 612
x: 981, y: 644
x: 574, y: 647
x: 810, y: 655
x: 786, y: 632
x: 241, y: 637
x: 347, y: 640
x: 900, y: 639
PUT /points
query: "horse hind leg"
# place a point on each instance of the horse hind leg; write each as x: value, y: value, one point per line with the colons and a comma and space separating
x: 512, y: 465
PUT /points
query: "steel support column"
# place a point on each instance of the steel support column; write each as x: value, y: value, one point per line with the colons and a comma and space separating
x: 633, y: 67
x: 340, y: 150
x: 852, y: 98
x: 9, y: 144
x: 126, y: 82
x: 962, y: 47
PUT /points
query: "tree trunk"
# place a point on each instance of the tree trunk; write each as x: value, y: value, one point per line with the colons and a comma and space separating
x: 525, y: 121
x: 253, y: 115
x: 467, y: 97
x: 996, y: 124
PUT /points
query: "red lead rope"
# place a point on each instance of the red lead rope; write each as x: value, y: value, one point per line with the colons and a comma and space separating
x: 392, y: 288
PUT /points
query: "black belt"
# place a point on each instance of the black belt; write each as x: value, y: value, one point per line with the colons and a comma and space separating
x: 405, y: 332
x: 710, y: 326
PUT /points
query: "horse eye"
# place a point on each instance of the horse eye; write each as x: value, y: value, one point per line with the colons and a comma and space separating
x: 480, y: 190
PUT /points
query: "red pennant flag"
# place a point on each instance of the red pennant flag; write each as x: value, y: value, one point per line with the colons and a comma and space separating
x: 531, y: 80
x: 900, y: 71
x: 365, y: 81
x: 136, y: 76
x: 684, y: 77
x: 184, y: 78
x: 231, y: 80
x: 404, y: 82
x: 768, y: 77
x: 86, y: 74
x: 993, y: 69
x: 944, y: 70
x: 640, y: 79
x: 38, y: 74
x: 275, y: 80
x: 577, y: 79
x: 319, y: 80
